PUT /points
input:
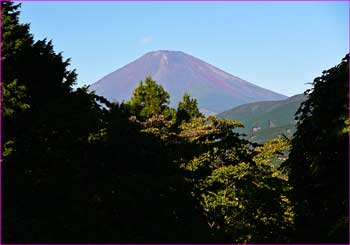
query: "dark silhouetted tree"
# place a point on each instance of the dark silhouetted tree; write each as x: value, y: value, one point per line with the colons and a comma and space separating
x: 318, y: 163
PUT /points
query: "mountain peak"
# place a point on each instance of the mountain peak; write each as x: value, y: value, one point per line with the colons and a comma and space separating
x: 178, y: 72
x: 163, y: 51
x: 165, y: 54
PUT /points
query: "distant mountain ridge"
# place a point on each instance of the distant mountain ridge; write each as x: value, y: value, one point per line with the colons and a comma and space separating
x: 177, y: 72
x: 266, y: 119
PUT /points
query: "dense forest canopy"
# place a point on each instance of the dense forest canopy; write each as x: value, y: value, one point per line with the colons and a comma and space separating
x: 77, y: 168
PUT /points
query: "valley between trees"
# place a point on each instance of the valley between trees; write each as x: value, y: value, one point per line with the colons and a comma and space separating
x: 77, y: 168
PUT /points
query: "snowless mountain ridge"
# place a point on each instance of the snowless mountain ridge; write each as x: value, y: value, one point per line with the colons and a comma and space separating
x: 178, y: 72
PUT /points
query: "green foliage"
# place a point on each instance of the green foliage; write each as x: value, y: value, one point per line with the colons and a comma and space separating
x: 149, y: 99
x: 12, y: 30
x: 15, y: 41
x: 7, y: 148
x: 187, y: 109
x: 98, y: 136
x: 13, y: 98
x: 318, y: 162
x: 273, y: 153
x: 243, y: 198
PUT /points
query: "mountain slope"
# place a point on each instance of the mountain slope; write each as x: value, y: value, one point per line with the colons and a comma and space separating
x: 178, y: 73
x: 267, y: 119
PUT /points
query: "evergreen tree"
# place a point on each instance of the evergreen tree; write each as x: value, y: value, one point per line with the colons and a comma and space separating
x: 318, y: 163
x: 149, y: 99
x: 187, y: 109
x: 44, y: 141
x: 16, y: 40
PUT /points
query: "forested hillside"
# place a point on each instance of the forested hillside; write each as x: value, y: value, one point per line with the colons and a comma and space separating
x: 266, y: 119
x: 77, y: 168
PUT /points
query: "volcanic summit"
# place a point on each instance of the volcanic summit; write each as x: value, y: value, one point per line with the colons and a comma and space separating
x: 178, y: 72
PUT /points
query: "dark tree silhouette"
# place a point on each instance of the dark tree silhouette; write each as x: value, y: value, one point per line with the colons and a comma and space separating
x: 318, y: 163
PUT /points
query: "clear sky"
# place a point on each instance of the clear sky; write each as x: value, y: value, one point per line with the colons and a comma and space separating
x: 277, y: 45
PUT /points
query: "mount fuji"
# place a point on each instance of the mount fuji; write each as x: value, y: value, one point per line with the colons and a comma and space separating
x: 178, y: 72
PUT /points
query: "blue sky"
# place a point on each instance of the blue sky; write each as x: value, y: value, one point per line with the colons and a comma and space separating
x: 277, y: 45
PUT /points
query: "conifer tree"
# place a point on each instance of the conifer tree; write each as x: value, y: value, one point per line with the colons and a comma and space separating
x: 187, y: 109
x: 149, y: 99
